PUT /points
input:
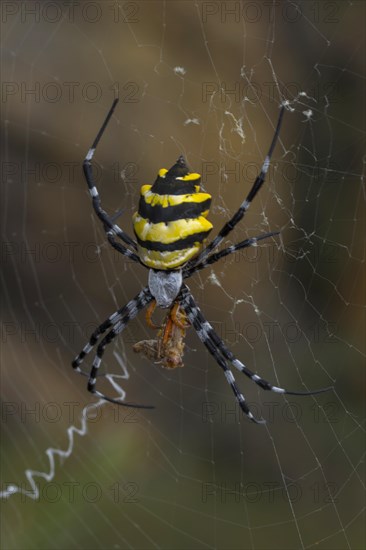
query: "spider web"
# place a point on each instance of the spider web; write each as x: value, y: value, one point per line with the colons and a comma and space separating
x: 203, y: 79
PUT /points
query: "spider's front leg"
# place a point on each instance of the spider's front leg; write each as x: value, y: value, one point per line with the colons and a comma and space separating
x: 221, y: 353
x: 202, y: 329
x: 142, y: 297
x: 118, y: 321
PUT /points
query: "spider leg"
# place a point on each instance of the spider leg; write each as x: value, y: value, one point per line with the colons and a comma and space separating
x: 228, y: 374
x: 122, y: 249
x: 142, y: 299
x: 118, y: 321
x: 106, y: 220
x: 98, y: 359
x: 229, y: 226
x: 206, y: 333
x: 202, y: 333
x: 230, y: 250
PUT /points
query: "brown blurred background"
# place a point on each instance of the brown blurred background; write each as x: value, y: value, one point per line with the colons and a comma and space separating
x: 204, y: 79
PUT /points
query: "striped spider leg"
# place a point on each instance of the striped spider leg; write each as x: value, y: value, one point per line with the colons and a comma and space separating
x: 117, y: 322
x: 213, y: 258
x: 109, y: 226
x: 222, y: 354
x: 240, y: 213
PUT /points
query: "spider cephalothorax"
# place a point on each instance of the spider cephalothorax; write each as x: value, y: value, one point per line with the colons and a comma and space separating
x: 170, y: 227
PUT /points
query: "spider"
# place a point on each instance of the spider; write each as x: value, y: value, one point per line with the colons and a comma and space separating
x: 170, y: 227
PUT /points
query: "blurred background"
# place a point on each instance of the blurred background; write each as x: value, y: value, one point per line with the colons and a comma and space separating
x: 203, y: 79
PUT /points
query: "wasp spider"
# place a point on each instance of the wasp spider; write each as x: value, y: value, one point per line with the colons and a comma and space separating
x: 170, y: 227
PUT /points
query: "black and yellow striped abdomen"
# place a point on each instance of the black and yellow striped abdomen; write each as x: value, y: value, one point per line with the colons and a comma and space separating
x: 171, y: 223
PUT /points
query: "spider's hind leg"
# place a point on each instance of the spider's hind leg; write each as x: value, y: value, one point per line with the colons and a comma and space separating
x: 240, y: 213
x: 108, y: 222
